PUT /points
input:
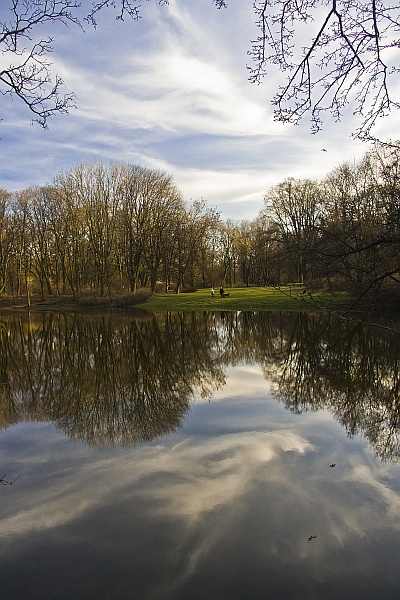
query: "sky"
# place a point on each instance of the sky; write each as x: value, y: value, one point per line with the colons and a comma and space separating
x: 171, y: 92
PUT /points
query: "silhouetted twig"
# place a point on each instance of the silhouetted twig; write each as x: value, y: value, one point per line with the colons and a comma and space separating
x: 4, y: 482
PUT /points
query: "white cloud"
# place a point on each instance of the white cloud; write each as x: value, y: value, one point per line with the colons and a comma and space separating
x: 172, y: 90
x: 210, y: 474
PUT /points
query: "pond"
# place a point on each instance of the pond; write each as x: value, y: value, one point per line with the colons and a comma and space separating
x: 198, y: 455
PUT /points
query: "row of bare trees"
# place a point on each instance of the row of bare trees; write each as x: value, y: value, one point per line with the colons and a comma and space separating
x: 344, y: 231
x: 102, y: 227
x: 120, y: 227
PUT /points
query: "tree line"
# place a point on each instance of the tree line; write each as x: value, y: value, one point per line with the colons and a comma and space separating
x: 106, y: 228
x: 114, y: 228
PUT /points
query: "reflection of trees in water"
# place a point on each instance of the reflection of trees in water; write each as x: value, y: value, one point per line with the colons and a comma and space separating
x: 113, y: 380
x: 347, y: 368
x: 106, y: 380
x: 316, y: 361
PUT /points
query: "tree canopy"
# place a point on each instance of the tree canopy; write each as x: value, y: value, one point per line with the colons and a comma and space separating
x: 333, y: 53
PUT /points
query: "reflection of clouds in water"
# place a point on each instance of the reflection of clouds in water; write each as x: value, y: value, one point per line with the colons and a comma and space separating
x: 213, y: 474
x: 203, y: 475
x: 218, y: 476
x: 232, y: 496
x: 389, y: 498
x: 243, y: 380
x: 230, y: 507
x: 194, y: 477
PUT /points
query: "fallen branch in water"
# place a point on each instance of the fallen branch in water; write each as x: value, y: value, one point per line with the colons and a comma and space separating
x: 4, y: 482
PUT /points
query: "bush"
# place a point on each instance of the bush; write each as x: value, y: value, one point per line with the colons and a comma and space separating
x: 115, y: 302
x: 140, y: 296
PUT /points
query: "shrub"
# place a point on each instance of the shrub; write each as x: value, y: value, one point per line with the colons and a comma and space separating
x: 115, y: 302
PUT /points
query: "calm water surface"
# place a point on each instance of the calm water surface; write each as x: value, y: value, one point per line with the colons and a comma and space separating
x: 190, y: 456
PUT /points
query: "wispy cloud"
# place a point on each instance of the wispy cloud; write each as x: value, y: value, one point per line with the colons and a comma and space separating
x: 171, y: 91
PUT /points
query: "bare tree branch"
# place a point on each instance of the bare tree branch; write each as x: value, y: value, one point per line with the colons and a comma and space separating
x: 346, y: 62
x: 29, y: 75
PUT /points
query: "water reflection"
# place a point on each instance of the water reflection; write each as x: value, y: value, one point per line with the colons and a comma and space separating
x: 239, y: 501
x: 120, y: 381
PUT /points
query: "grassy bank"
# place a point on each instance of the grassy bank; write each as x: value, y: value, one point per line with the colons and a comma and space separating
x: 259, y: 299
x: 286, y: 298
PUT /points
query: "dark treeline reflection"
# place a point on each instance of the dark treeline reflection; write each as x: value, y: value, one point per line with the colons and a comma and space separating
x: 107, y: 381
x: 112, y: 380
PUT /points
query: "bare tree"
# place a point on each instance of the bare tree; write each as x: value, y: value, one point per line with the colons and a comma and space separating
x: 296, y: 212
x: 336, y: 53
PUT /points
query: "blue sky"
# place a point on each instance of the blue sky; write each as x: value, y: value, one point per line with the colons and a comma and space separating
x: 171, y: 92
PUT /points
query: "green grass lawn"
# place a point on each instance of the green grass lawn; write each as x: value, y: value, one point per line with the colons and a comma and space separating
x: 284, y: 298
x: 255, y: 298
